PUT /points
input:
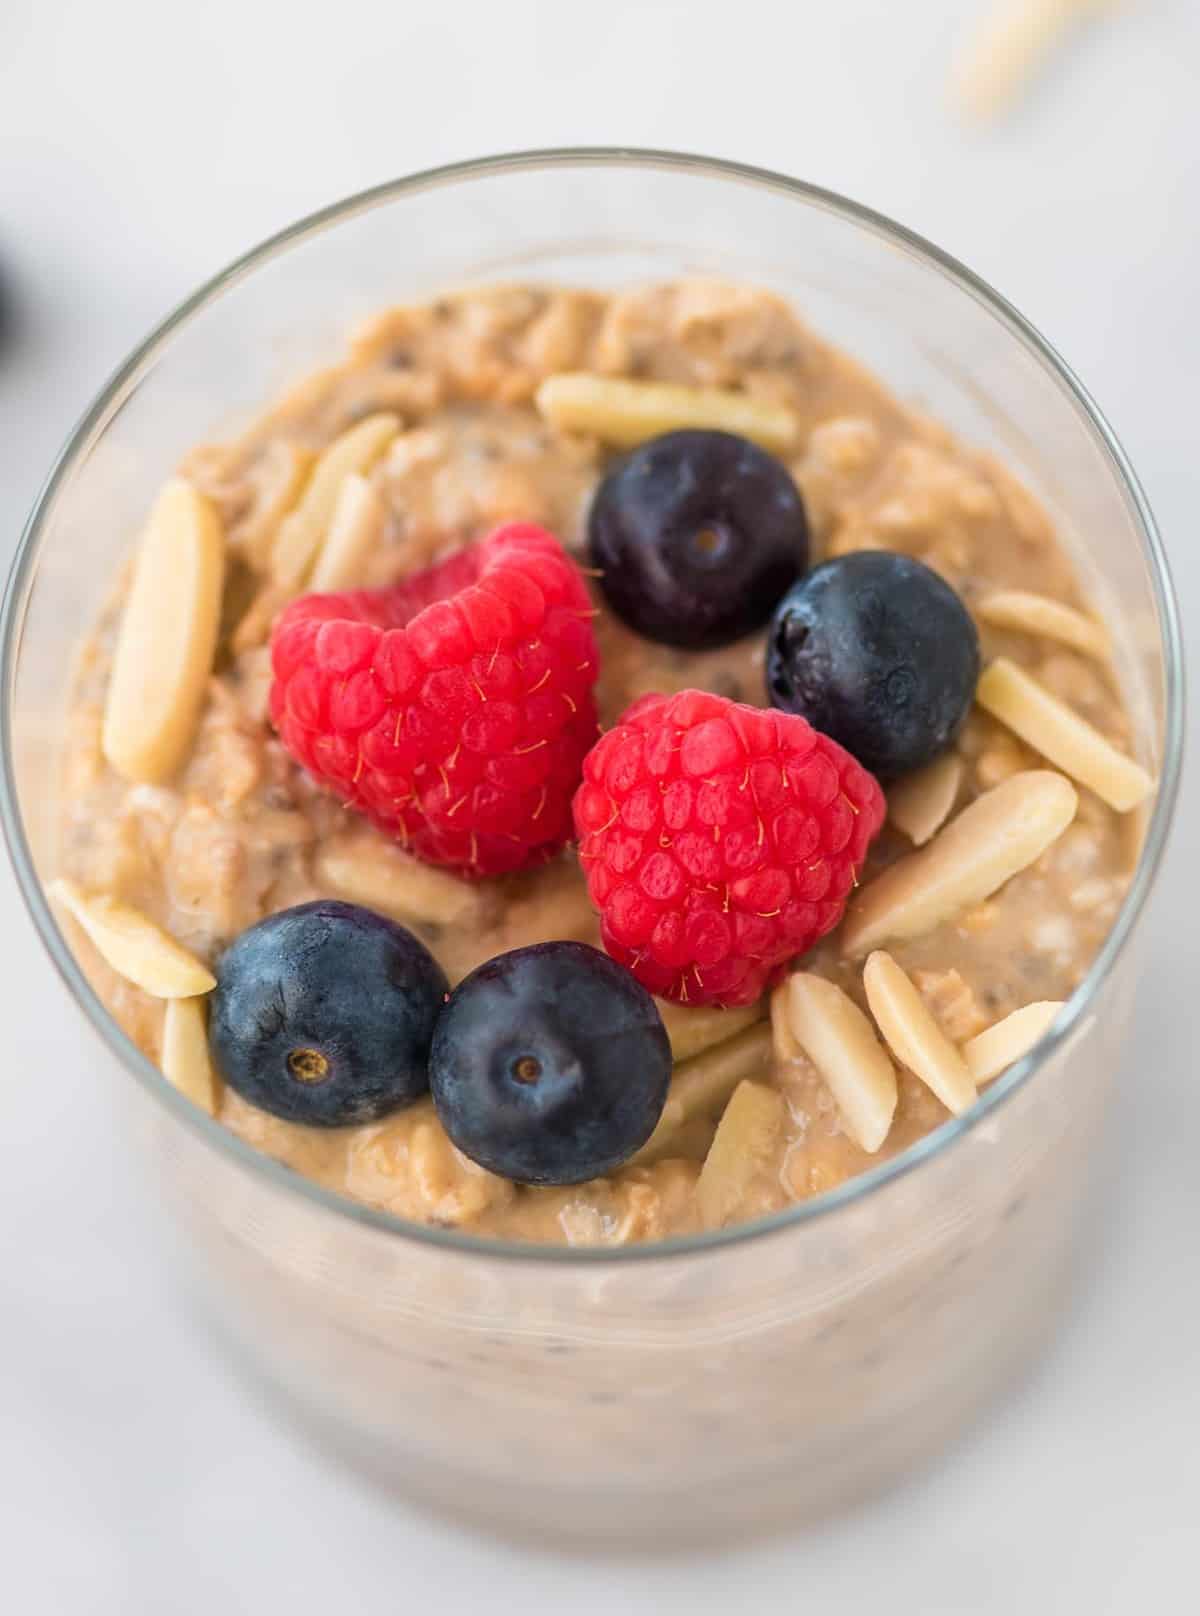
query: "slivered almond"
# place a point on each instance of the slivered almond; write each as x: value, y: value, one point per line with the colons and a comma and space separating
x: 625, y: 413
x: 167, y: 637
x: 839, y: 1040
x: 366, y: 871
x: 303, y: 530
x: 134, y: 946
x: 355, y: 529
x: 1060, y: 735
x: 920, y: 803
x: 693, y: 1030
x: 996, y: 1048
x: 1010, y: 46
x: 783, y: 1039
x: 741, y: 1148
x: 990, y: 841
x: 702, y: 1085
x: 278, y: 483
x: 913, y: 1036
x: 254, y: 626
x: 186, y: 1062
x: 1134, y: 827
x: 1048, y: 619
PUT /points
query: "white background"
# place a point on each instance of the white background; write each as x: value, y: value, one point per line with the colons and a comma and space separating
x: 143, y: 142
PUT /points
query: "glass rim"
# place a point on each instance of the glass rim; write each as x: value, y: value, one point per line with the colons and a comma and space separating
x: 803, y: 1213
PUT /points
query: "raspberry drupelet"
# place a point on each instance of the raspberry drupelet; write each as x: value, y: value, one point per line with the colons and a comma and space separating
x: 454, y: 709
x: 720, y: 841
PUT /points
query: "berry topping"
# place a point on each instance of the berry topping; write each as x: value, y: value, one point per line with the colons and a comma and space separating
x: 453, y: 709
x: 878, y: 651
x: 697, y: 535
x: 323, y: 1014
x: 550, y: 1064
x: 720, y: 841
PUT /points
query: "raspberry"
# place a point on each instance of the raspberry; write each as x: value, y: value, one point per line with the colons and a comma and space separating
x: 454, y: 709
x: 720, y: 841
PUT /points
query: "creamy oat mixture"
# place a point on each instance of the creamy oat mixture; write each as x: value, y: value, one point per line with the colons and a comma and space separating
x: 238, y: 831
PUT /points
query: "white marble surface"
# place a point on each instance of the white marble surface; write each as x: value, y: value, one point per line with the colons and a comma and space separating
x: 140, y: 145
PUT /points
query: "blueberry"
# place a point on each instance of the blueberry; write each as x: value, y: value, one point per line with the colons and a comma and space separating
x: 550, y: 1064
x: 879, y: 652
x: 696, y: 536
x: 323, y: 1014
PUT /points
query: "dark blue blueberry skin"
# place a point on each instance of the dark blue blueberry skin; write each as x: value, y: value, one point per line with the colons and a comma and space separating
x: 550, y: 1064
x: 696, y: 536
x: 323, y: 1014
x: 878, y: 651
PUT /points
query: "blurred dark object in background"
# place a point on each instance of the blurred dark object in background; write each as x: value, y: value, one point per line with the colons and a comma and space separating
x: 7, y: 308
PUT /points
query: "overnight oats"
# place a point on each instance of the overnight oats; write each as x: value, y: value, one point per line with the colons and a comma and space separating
x: 593, y: 768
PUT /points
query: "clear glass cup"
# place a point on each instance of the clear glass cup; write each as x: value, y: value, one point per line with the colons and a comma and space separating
x: 769, y: 1372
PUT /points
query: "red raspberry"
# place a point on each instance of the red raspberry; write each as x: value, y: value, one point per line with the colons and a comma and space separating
x: 454, y: 709
x: 720, y: 841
